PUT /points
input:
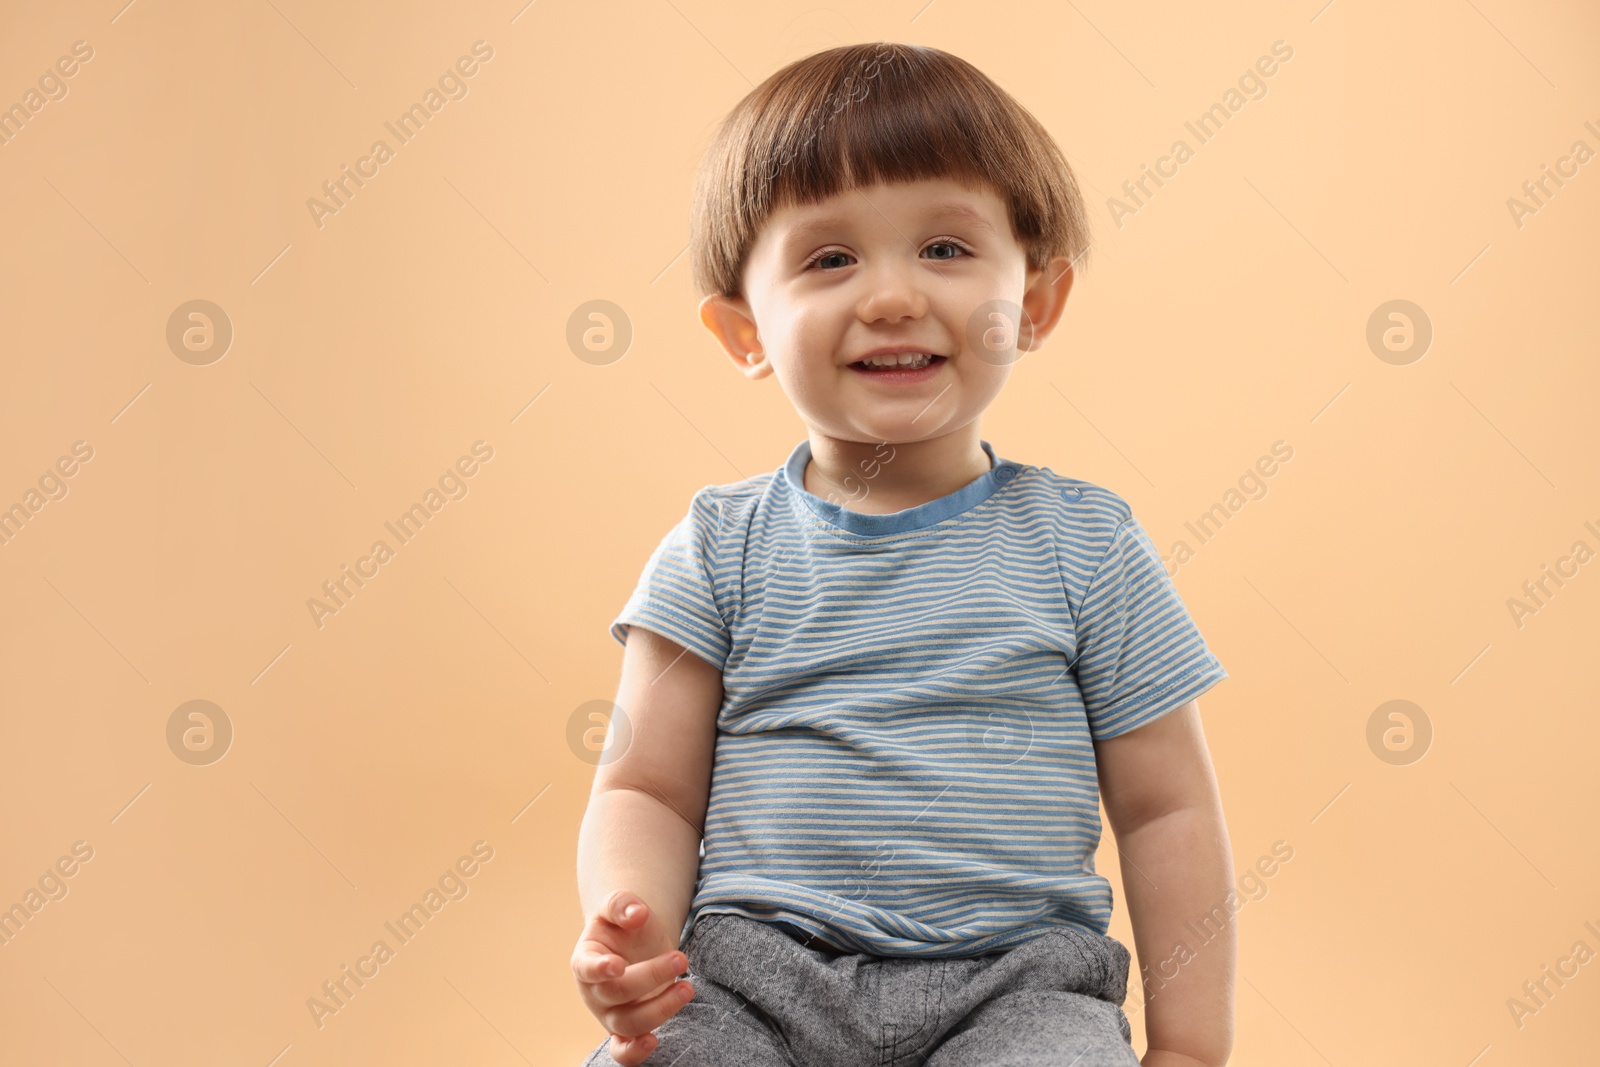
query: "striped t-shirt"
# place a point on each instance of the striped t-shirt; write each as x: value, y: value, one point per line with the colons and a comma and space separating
x: 904, y: 762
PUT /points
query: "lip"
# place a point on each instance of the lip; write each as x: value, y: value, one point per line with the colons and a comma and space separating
x: 894, y: 350
x: 903, y: 375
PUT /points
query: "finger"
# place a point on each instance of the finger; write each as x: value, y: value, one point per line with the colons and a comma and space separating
x: 625, y: 909
x: 642, y: 1016
x: 593, y: 962
x: 640, y: 979
x: 632, y: 1051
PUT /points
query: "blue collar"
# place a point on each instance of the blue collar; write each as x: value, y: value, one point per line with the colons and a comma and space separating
x: 920, y: 517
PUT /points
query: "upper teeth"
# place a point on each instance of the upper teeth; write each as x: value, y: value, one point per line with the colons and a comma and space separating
x: 913, y: 359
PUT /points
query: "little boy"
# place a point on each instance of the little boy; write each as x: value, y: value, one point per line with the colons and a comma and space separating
x: 874, y: 697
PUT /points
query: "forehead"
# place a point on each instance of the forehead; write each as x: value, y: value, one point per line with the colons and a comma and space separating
x: 895, y: 204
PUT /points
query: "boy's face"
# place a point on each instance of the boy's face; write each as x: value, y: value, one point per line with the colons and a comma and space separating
x: 917, y: 263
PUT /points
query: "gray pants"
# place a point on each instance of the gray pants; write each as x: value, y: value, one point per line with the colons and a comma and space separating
x: 764, y: 999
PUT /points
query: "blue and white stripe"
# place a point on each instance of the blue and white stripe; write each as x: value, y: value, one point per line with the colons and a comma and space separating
x: 905, y: 761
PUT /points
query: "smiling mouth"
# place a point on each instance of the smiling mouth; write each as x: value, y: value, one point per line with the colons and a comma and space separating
x: 924, y: 361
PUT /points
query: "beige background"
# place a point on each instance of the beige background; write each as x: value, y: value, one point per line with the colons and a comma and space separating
x: 431, y: 312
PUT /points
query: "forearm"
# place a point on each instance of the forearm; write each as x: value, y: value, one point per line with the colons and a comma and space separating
x: 632, y: 840
x: 1184, y: 933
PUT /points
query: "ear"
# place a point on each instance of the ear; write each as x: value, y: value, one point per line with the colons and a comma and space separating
x: 729, y: 318
x: 1043, y: 302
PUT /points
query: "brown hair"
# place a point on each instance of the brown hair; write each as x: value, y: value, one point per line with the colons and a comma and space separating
x: 879, y: 112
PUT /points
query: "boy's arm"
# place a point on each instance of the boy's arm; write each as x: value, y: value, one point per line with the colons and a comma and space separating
x: 641, y: 831
x: 1160, y: 794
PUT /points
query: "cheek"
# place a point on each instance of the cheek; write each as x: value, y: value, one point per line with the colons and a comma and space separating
x: 982, y: 316
x: 985, y: 380
x: 810, y: 335
x: 804, y: 376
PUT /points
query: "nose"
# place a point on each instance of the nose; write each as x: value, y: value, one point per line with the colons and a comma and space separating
x: 893, y: 292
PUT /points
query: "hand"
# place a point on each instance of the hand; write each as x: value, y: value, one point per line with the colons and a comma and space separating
x: 623, y: 980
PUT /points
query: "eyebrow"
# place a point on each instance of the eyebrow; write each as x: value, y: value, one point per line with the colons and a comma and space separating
x: 810, y: 229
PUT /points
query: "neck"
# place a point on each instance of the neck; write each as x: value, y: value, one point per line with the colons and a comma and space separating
x: 879, y: 477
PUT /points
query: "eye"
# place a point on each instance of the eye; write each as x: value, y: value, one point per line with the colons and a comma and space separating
x: 958, y: 246
x: 828, y: 253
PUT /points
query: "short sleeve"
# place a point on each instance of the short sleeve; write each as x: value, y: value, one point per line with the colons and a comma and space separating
x: 676, y: 594
x: 1140, y: 655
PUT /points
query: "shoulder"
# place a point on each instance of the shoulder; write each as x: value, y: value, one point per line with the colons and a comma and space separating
x: 1084, y: 507
x: 1091, y: 528
x: 725, y: 510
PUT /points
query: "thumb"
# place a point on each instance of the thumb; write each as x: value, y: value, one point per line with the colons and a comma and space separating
x: 625, y: 908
